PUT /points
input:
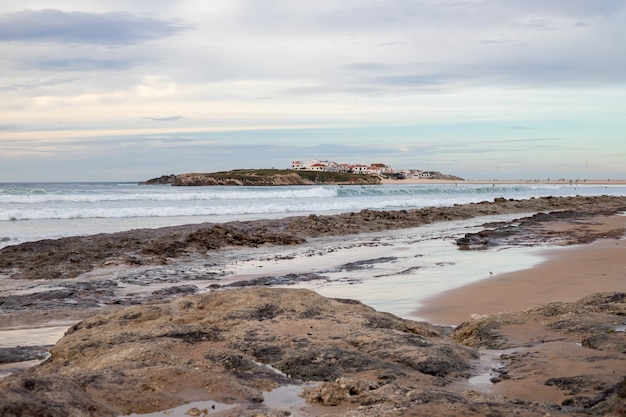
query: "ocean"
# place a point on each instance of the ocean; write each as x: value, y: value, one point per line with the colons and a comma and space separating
x: 34, y: 211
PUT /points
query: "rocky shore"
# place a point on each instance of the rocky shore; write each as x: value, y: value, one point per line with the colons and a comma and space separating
x: 263, y: 177
x: 71, y: 256
x: 232, y: 348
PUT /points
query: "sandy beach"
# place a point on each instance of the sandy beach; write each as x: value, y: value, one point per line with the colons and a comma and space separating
x: 496, y: 181
x: 567, y: 274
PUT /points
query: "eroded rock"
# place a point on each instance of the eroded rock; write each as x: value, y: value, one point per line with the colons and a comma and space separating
x: 591, y: 354
x: 221, y: 343
x: 232, y: 346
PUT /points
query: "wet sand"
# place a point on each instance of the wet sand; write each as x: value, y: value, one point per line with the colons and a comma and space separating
x: 568, y: 274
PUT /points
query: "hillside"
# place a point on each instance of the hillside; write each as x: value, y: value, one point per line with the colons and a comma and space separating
x: 263, y: 177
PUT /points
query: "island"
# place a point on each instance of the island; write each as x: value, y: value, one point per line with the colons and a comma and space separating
x: 265, y: 177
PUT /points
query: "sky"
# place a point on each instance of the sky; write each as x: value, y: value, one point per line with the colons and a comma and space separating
x: 126, y: 90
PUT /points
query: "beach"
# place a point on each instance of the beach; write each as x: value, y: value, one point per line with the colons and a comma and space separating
x: 494, y: 344
x: 567, y: 274
x: 504, y: 182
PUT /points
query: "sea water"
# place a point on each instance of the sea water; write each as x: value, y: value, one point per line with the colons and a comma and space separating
x: 34, y: 211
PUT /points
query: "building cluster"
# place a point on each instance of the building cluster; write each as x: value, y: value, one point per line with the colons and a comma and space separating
x: 372, y: 169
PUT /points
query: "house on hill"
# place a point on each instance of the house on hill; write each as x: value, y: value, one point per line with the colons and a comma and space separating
x: 379, y: 169
x: 331, y: 166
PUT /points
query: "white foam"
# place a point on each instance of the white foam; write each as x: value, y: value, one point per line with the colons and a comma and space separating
x: 37, y: 211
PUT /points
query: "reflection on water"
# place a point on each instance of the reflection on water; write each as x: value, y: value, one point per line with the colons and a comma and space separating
x: 285, y: 397
x: 7, y: 369
x: 392, y: 271
x: 484, y: 370
x: 197, y: 408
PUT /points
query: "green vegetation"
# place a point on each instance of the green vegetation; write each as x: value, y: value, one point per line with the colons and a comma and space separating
x: 241, y: 174
x: 334, y: 177
x: 264, y: 177
x: 318, y: 177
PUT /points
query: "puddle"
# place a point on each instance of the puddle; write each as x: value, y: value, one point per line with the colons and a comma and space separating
x: 7, y: 369
x: 285, y: 397
x: 489, y: 363
x: 485, y: 369
x: 197, y: 408
x: 40, y: 336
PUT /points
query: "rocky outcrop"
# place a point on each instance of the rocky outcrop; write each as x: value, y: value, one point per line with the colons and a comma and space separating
x: 234, y: 346
x: 237, y: 344
x: 531, y: 231
x: 207, y: 179
x: 69, y: 257
x: 49, y: 396
x: 587, y: 337
x: 162, y: 180
x: 436, y: 175
x: 263, y: 178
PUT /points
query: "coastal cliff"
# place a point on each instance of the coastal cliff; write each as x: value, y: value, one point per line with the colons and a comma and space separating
x: 263, y: 177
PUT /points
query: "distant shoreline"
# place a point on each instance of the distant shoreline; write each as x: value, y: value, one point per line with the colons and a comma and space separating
x: 525, y: 182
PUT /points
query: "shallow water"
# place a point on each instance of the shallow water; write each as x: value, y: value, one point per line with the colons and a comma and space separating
x: 392, y: 271
x: 196, y: 408
x: 38, y: 336
x: 286, y: 398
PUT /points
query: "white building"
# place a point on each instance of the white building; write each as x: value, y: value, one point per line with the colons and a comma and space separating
x: 331, y: 166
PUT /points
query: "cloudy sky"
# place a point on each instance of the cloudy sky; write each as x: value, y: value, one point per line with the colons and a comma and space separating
x: 133, y: 89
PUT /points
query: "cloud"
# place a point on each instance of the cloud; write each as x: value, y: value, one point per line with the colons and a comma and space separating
x: 110, y: 28
x: 165, y: 119
x: 433, y: 79
x: 432, y: 82
x: 367, y: 66
x: 82, y: 64
x: 32, y: 84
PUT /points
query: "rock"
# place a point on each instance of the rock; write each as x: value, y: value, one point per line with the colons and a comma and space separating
x: 608, y: 342
x: 47, y: 395
x: 162, y: 180
x: 333, y: 393
x: 231, y: 346
x: 177, y: 290
x: 587, y: 378
x: 23, y: 353
x: 528, y: 231
x: 222, y: 341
